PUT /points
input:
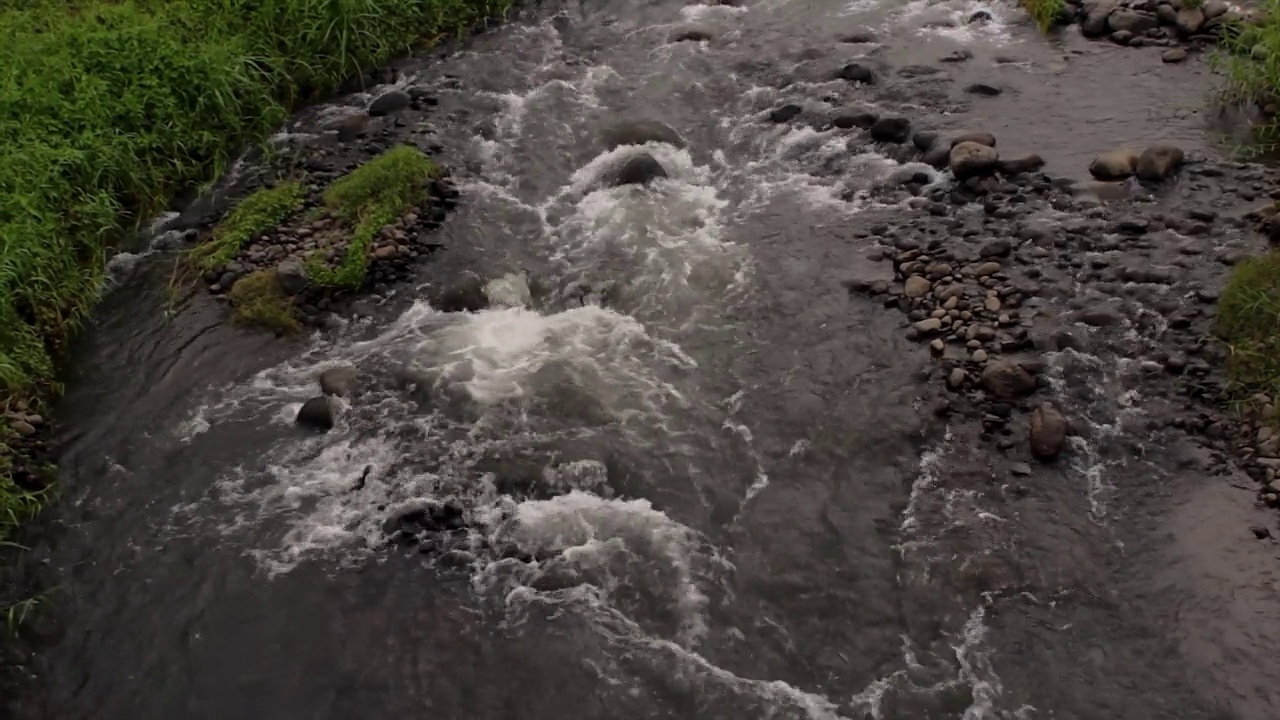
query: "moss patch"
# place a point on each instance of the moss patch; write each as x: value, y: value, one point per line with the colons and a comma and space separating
x: 368, y: 199
x: 257, y: 299
x: 254, y: 215
x: 1249, y: 322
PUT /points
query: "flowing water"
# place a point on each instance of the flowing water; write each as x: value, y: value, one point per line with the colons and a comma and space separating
x: 673, y: 471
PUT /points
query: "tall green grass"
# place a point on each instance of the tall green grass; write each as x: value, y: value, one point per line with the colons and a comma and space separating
x: 108, y: 108
x: 1248, y: 321
x: 1044, y: 13
x: 1249, y: 58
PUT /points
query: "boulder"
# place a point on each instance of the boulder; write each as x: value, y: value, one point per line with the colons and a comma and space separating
x: 1167, y: 15
x: 639, y: 132
x: 891, y: 129
x: 983, y: 89
x: 1094, y: 22
x: 1158, y: 162
x: 292, y: 276
x: 318, y: 413
x: 1131, y: 21
x: 850, y: 119
x: 1189, y: 21
x: 969, y: 159
x: 1215, y: 8
x: 339, y: 381
x: 1048, y: 433
x: 786, y: 113
x: 1024, y: 164
x: 981, y: 138
x: 690, y: 35
x: 1114, y: 164
x: 1006, y: 380
x: 466, y: 294
x: 389, y: 102
x: 856, y: 72
x: 638, y: 169
x: 924, y: 141
x: 860, y: 37
x: 938, y: 156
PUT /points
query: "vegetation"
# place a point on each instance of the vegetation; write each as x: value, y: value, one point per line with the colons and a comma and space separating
x: 1045, y: 13
x: 1249, y: 57
x: 369, y: 198
x: 258, y: 299
x: 254, y: 215
x: 1249, y: 322
x: 108, y: 108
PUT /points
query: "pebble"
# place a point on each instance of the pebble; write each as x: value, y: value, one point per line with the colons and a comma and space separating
x: 929, y: 325
x: 980, y: 356
x: 957, y: 378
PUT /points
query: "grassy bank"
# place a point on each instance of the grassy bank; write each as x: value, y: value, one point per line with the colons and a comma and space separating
x: 1045, y: 13
x: 1249, y: 322
x: 1249, y: 58
x: 109, y: 108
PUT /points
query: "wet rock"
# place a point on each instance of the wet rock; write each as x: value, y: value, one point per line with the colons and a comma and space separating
x: 924, y: 140
x: 1006, y: 380
x: 1260, y: 532
x: 856, y: 72
x: 1158, y: 162
x: 1099, y: 317
x: 317, y: 413
x: 979, y: 17
x: 638, y: 169
x: 292, y: 275
x: 1114, y: 164
x: 1020, y: 469
x: 996, y: 249
x: 891, y: 129
x: 916, y: 287
x: 938, y: 156
x: 1048, y: 432
x: 339, y: 381
x: 690, y: 35
x: 855, y: 119
x: 969, y: 159
x: 1189, y: 21
x: 1017, y: 166
x: 983, y: 89
x: 860, y: 37
x: 1173, y: 55
x: 349, y: 128
x: 389, y: 102
x: 975, y: 137
x: 1094, y: 23
x: 639, y: 132
x: 465, y: 295
x: 1133, y: 21
x: 786, y: 113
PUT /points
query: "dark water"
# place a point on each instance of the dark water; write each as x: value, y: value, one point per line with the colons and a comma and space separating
x: 714, y: 489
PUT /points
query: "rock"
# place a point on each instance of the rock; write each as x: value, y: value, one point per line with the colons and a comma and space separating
x: 690, y: 35
x: 929, y: 325
x: 340, y: 381
x: 969, y: 159
x: 1158, y: 162
x: 957, y: 378
x: 1121, y: 37
x: 389, y: 102
x: 1094, y: 23
x: 1167, y: 15
x: 1173, y: 55
x: 979, y: 17
x: 938, y: 156
x: 891, y: 129
x: 1190, y: 20
x: 1260, y: 532
x: 860, y: 37
x: 638, y: 169
x: 1048, y: 433
x: 996, y: 248
x: 1114, y: 164
x: 986, y: 269
x: 980, y: 138
x: 848, y: 120
x: 924, y: 141
x: 317, y: 413
x: 386, y: 252
x: 785, y: 113
x: 856, y: 72
x: 916, y: 287
x: 22, y: 427
x: 349, y: 128
x: 292, y: 275
x: 1017, y: 166
x: 1020, y: 469
x: 465, y: 295
x: 1133, y: 21
x: 1006, y: 380
x: 639, y: 132
x: 1215, y: 9
x: 983, y: 89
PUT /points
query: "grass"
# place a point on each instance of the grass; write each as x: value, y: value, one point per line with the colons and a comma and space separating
x: 1249, y: 58
x: 368, y: 199
x: 109, y: 108
x: 257, y: 299
x: 252, y: 216
x: 1248, y: 322
x: 1045, y: 13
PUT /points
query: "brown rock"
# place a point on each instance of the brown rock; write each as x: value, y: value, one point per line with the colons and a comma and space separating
x: 970, y: 159
x: 386, y: 252
x: 1189, y: 21
x: 981, y: 138
x: 1158, y: 162
x: 1006, y: 380
x: 22, y: 427
x: 1048, y: 432
x: 1174, y: 55
x: 1114, y: 165
x: 1024, y: 164
x: 916, y: 287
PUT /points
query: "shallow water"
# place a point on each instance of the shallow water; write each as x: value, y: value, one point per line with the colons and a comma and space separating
x: 690, y: 477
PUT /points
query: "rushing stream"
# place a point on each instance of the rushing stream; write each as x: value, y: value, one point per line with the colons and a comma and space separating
x: 673, y: 471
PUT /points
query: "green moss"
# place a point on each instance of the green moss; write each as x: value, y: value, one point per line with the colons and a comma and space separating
x: 257, y: 299
x: 1045, y: 13
x: 368, y: 199
x: 1248, y: 322
x: 252, y: 216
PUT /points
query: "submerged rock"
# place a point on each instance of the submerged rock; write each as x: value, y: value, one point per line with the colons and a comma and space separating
x: 639, y: 132
x: 1158, y: 162
x: 1024, y: 164
x: 1006, y: 380
x: 1114, y: 164
x: 891, y: 129
x: 389, y: 102
x: 969, y: 159
x: 466, y: 294
x: 856, y: 72
x: 318, y: 413
x: 638, y: 170
x: 340, y: 381
x: 786, y: 113
x: 1048, y: 433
